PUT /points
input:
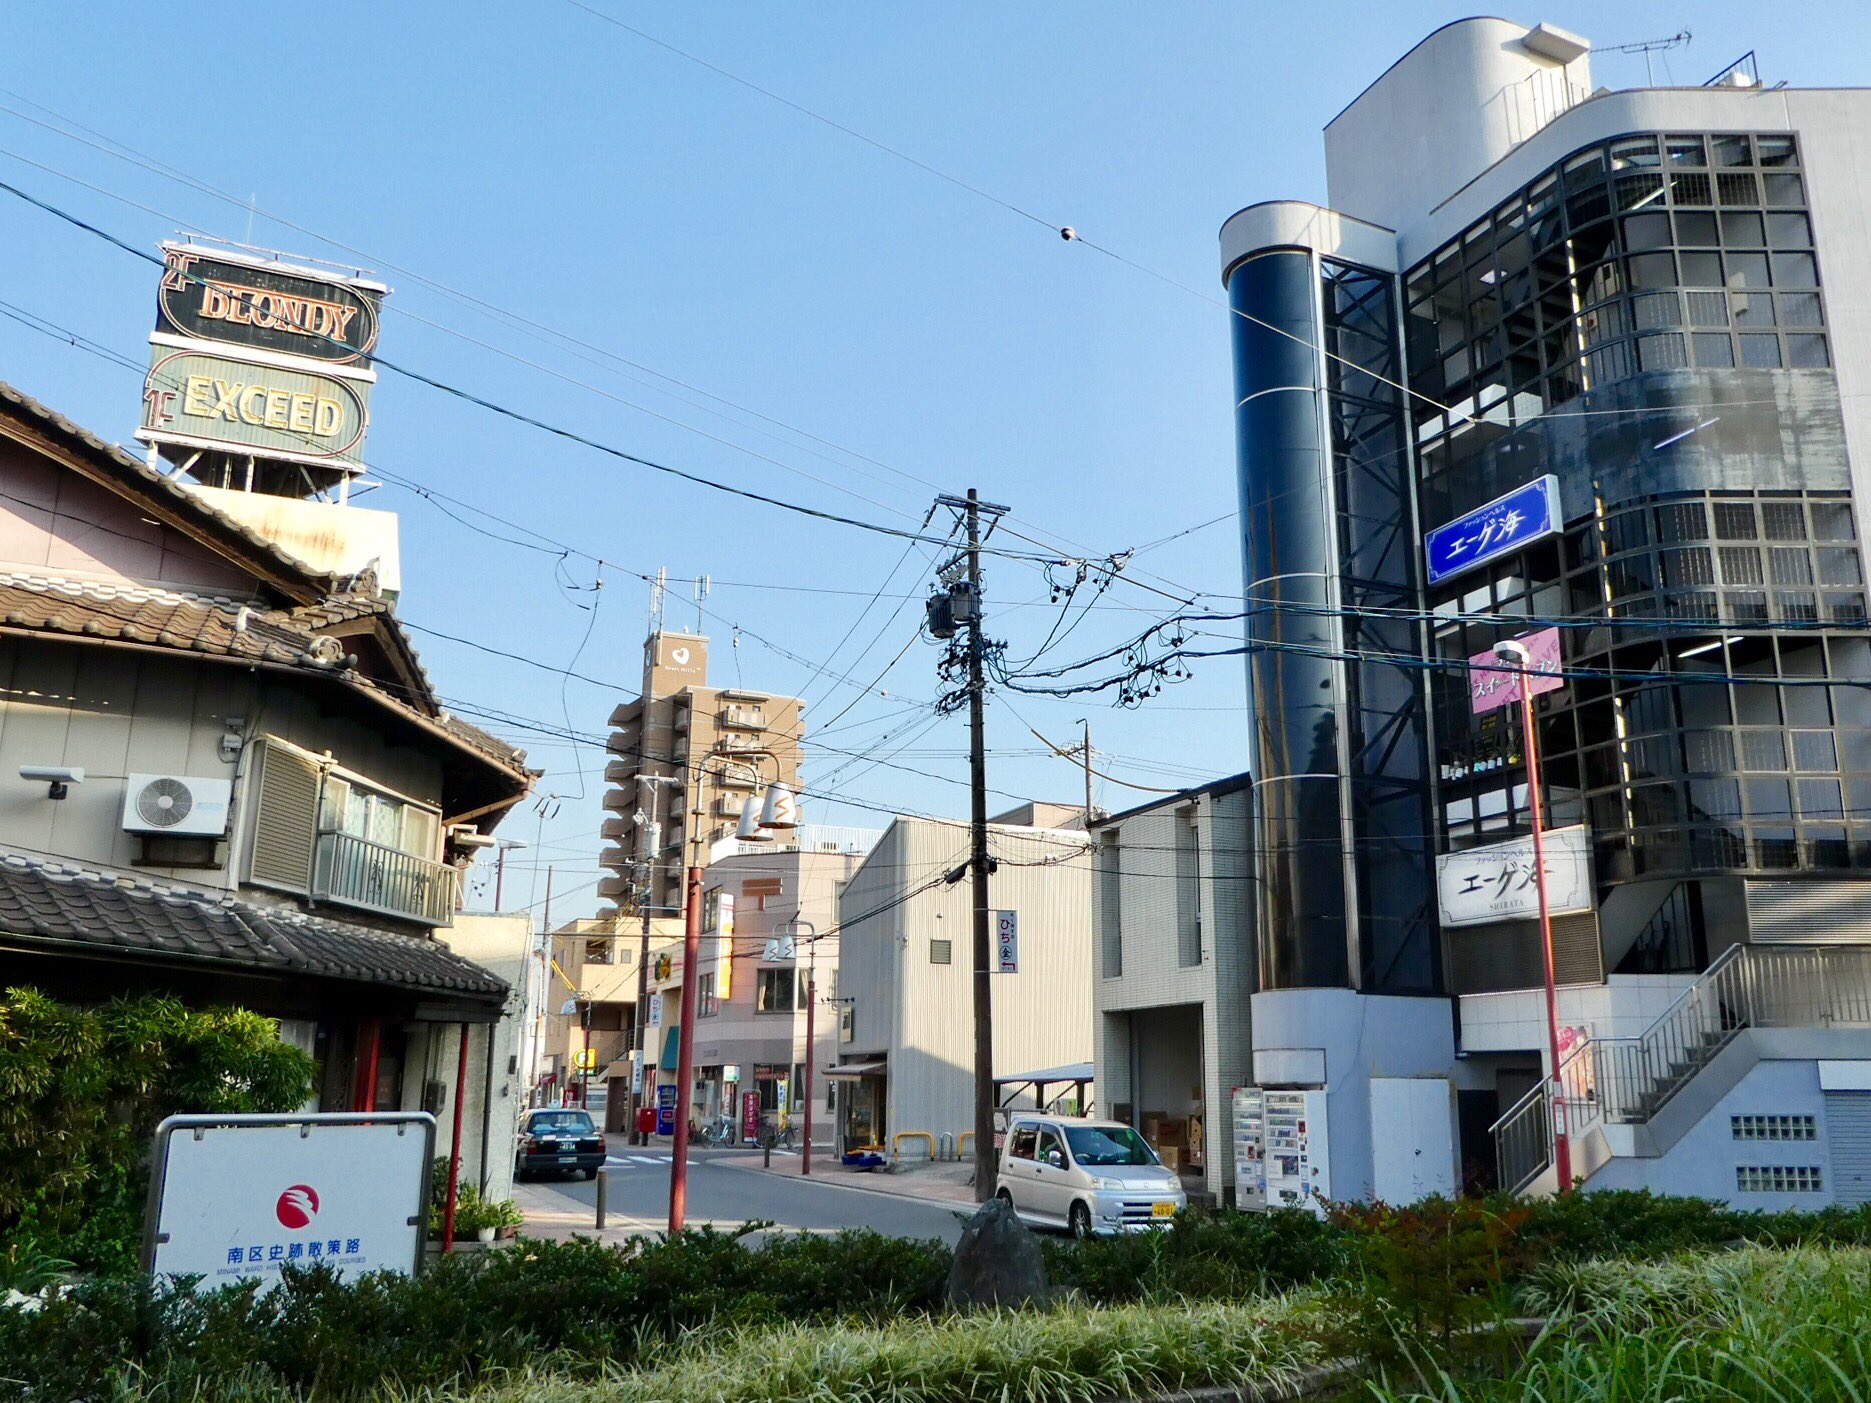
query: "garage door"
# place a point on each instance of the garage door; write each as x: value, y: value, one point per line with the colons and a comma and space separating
x: 1848, y: 1129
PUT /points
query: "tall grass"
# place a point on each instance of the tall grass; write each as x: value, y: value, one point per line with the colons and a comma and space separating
x: 1752, y: 1326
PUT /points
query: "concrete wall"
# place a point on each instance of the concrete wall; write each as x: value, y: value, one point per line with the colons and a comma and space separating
x: 921, y: 1014
x: 496, y: 1088
x: 1455, y: 104
x: 1152, y: 977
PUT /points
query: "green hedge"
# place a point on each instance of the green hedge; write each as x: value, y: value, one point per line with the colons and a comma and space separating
x: 579, y: 1307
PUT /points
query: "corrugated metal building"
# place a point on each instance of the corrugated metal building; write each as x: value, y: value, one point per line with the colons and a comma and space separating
x: 906, y: 1037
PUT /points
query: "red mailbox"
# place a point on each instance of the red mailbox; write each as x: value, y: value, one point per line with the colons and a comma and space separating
x: 646, y: 1120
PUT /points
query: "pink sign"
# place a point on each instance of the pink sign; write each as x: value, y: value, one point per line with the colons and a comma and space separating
x: 1491, y: 685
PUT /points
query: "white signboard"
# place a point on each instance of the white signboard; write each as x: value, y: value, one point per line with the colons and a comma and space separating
x: 234, y: 1198
x: 1007, y: 942
x: 1497, y: 882
x: 656, y: 1010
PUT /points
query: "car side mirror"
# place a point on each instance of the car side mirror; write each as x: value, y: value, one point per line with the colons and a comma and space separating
x: 1055, y: 1159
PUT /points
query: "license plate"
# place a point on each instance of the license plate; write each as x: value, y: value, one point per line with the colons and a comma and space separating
x: 1162, y: 1210
x: 569, y: 1159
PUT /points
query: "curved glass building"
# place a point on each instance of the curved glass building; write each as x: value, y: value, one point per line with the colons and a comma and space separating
x: 1654, y: 308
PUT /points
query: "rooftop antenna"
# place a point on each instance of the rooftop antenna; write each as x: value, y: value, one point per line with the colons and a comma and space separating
x: 701, y: 593
x: 1647, y: 47
x: 657, y: 591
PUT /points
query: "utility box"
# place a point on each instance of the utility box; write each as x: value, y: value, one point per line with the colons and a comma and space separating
x: 1413, y: 1139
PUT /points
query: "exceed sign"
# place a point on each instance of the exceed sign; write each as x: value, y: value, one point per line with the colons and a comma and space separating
x: 193, y: 399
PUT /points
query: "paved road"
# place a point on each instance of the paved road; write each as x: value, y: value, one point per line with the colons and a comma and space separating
x: 727, y: 1196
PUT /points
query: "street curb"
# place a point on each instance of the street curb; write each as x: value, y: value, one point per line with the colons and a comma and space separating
x: 960, y: 1209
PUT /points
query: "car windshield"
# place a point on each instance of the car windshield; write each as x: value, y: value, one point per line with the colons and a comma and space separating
x: 1113, y: 1144
x: 560, y: 1123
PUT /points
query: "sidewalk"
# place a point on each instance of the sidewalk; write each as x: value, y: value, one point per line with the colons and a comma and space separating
x: 938, y: 1182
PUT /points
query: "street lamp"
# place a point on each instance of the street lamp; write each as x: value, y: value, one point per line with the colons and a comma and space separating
x: 1519, y: 656
x: 812, y: 1002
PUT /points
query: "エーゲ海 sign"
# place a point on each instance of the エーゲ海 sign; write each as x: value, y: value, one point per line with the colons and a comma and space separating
x: 210, y: 296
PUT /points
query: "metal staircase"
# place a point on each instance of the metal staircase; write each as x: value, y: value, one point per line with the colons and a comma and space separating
x: 1627, y: 1081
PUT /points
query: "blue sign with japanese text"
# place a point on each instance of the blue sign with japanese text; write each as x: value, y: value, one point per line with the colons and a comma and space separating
x: 666, y: 1110
x: 1503, y: 526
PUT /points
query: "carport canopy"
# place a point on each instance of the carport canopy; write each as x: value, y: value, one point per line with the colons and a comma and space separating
x: 1072, y: 1074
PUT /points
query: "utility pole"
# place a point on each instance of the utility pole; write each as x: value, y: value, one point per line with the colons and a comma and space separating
x: 685, y: 1051
x: 646, y: 892
x: 962, y: 608
x: 545, y: 987
x: 812, y: 1003
x: 1085, y: 745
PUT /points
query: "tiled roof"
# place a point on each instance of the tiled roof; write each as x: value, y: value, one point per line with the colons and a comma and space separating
x: 139, y: 477
x: 116, y: 611
x: 47, y: 902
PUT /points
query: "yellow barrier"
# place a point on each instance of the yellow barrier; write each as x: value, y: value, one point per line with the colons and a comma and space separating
x: 896, y: 1143
x: 961, y: 1145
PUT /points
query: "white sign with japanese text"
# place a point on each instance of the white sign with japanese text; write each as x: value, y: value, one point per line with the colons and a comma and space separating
x: 236, y: 1197
x: 1497, y: 882
x: 1007, y: 942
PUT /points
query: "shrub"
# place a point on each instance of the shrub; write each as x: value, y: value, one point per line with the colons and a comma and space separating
x: 1203, y: 1255
x: 82, y: 1090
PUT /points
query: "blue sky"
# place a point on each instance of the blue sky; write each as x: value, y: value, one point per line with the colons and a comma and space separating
x: 905, y: 333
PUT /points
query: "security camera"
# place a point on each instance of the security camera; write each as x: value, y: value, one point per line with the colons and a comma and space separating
x: 59, y: 777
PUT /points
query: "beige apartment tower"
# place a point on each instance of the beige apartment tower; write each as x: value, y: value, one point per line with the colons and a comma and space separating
x: 685, y: 759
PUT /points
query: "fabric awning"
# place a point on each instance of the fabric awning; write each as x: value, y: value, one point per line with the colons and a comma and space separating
x: 851, y: 1071
x: 672, y: 1047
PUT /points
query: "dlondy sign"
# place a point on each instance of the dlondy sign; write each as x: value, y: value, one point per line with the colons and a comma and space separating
x: 209, y: 295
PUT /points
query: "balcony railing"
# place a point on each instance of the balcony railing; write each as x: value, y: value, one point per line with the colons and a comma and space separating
x: 374, y: 877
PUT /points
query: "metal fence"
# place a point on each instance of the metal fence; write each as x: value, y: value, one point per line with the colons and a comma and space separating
x: 357, y: 872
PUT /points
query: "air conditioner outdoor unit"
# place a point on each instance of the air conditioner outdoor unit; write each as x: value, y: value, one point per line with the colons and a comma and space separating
x: 179, y: 805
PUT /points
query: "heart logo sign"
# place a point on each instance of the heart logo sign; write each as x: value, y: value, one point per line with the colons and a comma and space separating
x: 679, y: 656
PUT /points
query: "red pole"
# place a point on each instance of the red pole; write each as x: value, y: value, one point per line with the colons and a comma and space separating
x: 1562, y: 1147
x: 812, y: 1001
x: 685, y: 1051
x: 365, y: 1091
x: 454, y: 1151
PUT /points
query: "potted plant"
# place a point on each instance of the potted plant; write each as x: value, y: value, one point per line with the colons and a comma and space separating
x: 505, y: 1215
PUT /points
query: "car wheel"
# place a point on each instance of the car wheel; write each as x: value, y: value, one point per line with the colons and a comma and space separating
x: 591, y: 1173
x: 1080, y: 1219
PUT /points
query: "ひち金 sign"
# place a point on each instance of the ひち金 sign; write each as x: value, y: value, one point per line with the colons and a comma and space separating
x: 1007, y: 942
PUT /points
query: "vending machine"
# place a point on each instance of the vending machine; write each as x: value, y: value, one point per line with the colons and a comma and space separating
x: 1250, y: 1169
x: 1295, y: 1150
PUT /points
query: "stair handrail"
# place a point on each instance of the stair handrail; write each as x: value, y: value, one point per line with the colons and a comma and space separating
x: 1510, y: 1134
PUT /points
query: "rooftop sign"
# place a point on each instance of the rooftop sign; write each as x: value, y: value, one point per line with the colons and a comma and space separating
x: 263, y: 306
x: 1505, y: 525
x: 262, y: 408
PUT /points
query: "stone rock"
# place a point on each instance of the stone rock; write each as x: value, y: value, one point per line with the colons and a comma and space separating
x: 997, y: 1262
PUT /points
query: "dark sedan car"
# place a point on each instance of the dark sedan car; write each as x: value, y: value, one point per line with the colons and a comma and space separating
x: 554, y: 1141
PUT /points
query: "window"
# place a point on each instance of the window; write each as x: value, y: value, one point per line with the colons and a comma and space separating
x: 1049, y: 1145
x: 1025, y: 1138
x: 706, y: 1004
x: 1108, y: 1145
x: 1779, y: 1179
x: 773, y: 991
x: 941, y: 952
x: 1188, y: 889
x: 382, y: 819
x: 1774, y: 1127
x: 1111, y: 906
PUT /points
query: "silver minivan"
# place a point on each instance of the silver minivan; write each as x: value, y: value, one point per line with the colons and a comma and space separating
x: 1088, y: 1176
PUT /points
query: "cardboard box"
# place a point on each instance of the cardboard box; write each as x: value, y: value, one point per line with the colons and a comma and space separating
x: 1171, y: 1156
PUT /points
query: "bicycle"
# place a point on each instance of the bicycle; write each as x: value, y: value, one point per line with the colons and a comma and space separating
x: 718, y: 1132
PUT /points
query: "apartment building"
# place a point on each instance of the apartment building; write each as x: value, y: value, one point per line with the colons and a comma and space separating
x: 1174, y: 960
x: 686, y: 758
x: 1582, y: 369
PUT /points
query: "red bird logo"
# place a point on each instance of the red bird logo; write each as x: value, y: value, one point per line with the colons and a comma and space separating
x: 297, y: 1206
